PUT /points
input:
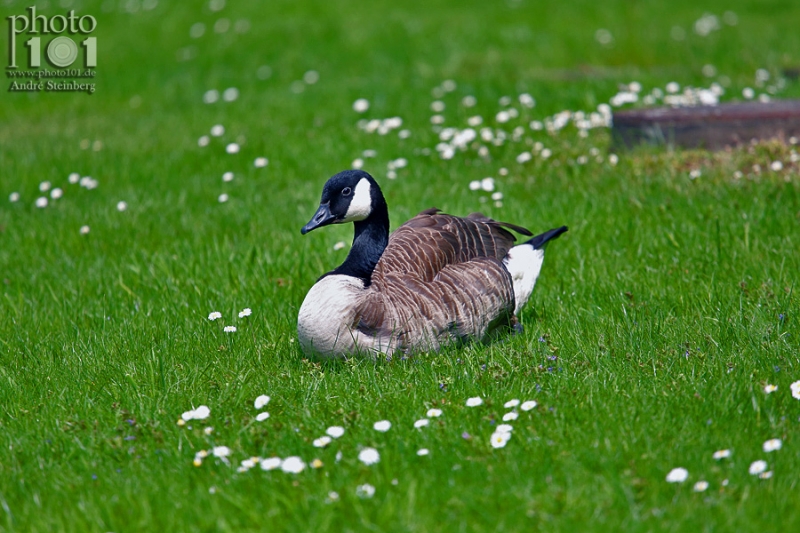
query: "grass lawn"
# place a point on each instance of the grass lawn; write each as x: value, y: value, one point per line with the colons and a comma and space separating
x: 656, y: 324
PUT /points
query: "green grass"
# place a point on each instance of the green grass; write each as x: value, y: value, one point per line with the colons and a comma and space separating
x: 655, y: 325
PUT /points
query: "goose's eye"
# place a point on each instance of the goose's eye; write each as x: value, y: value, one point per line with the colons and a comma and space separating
x: 346, y: 191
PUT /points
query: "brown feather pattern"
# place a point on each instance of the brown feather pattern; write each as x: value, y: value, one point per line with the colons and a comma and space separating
x: 440, y: 279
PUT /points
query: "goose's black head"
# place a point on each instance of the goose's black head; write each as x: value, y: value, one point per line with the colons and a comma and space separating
x: 349, y: 196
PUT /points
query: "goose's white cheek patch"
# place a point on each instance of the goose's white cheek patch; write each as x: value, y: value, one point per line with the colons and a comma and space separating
x: 361, y: 204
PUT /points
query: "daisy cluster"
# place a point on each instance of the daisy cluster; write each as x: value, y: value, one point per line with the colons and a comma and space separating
x: 216, y: 315
x: 232, y: 146
x: 49, y: 193
x: 366, y: 455
x: 513, y: 122
x: 759, y: 467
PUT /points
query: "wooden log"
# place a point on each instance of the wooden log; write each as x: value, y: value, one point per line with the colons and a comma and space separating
x: 710, y: 127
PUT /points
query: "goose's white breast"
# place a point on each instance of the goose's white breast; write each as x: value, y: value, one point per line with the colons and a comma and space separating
x: 324, y: 324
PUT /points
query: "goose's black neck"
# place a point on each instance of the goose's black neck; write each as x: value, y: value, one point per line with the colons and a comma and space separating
x: 369, y: 242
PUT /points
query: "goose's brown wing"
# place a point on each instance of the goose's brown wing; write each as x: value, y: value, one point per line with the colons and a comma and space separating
x: 439, y: 276
x: 430, y: 241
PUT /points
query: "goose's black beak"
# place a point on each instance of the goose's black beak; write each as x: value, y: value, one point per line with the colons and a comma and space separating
x: 322, y: 217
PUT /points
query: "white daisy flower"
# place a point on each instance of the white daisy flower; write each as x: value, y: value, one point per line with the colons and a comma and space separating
x: 44, y: 186
x: 217, y: 130
x: 56, y: 193
x: 84, y: 230
x: 229, y: 329
x: 203, y: 141
x: 527, y: 100
x: 700, y: 486
x: 524, y: 157
x: 200, y: 413
x: 208, y: 431
x: 316, y: 463
x: 499, y: 439
x: 765, y: 475
x: 365, y: 491
x: 322, y: 442
x: 511, y: 404
x: 230, y: 94
x: 214, y: 315
x: 293, y: 465
x: 245, y: 312
x: 772, y: 445
x: 222, y: 198
x: 211, y: 95
x: 261, y: 162
x: 74, y: 178
x: 527, y: 406
x: 13, y: 197
x: 510, y: 416
x: 433, y: 413
x: 757, y: 467
x: 469, y: 101
x: 504, y: 428
x: 421, y: 423
x: 383, y: 426
x: 260, y: 417
x: 228, y: 176
x: 122, y: 206
x: 677, y: 475
x: 361, y: 105
x: 770, y: 388
x: 795, y: 388
x: 721, y: 454
x: 221, y: 451
x: 474, y: 402
x: 423, y: 452
x: 232, y: 148
x: 335, y: 431
x: 369, y: 456
x: 271, y: 464
x: 41, y: 202
x: 357, y: 163
x: 261, y: 401
x: 247, y: 464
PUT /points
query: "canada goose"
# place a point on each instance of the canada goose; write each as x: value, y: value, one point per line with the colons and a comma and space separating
x: 437, y: 279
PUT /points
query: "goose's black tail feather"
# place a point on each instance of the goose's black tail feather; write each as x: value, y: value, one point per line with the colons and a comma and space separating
x: 539, y: 241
